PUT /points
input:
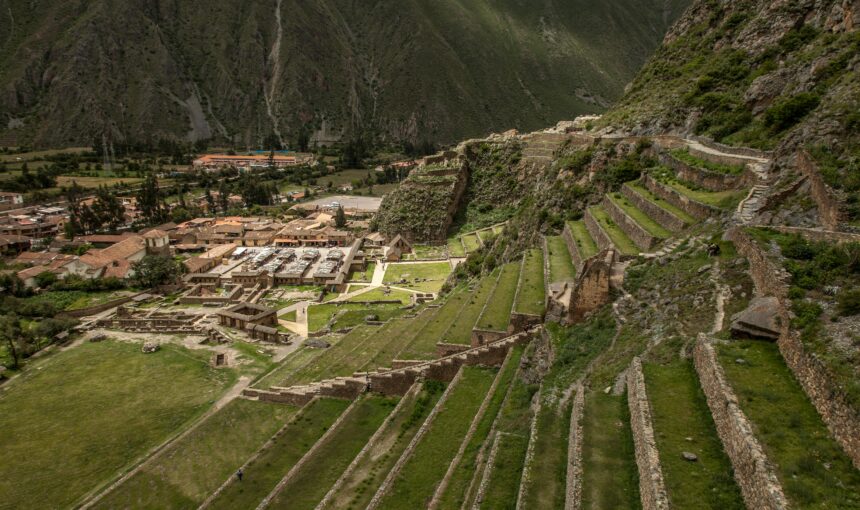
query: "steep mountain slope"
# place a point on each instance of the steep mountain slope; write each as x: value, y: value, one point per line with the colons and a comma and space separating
x: 135, y: 70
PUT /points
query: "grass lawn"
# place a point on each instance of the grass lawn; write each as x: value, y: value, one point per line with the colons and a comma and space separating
x: 456, y: 492
x: 549, y: 466
x: 685, y: 156
x: 289, y: 316
x: 72, y: 421
x: 339, y: 359
x: 348, y: 314
x: 513, y: 425
x: 610, y: 478
x: 423, y: 345
x: 455, y: 247
x: 587, y: 246
x: 624, y: 244
x: 728, y: 200
x: 94, y: 182
x: 679, y: 410
x: 426, y: 251
x: 400, y: 334
x: 360, y: 484
x: 435, y: 274
x: 264, y: 473
x: 486, y: 236
x: 790, y: 429
x: 654, y: 199
x: 651, y: 226
x: 460, y: 330
x: 470, y: 241
x: 184, y: 475
x: 379, y: 295
x: 561, y: 266
x: 363, y: 276
x: 497, y: 315
x: 532, y: 292
x: 311, y: 483
x: 291, y: 364
x: 75, y: 299
x: 417, y: 481
x: 498, y: 229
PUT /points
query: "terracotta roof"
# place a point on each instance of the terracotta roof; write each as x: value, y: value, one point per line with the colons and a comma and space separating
x: 195, y: 264
x: 155, y: 234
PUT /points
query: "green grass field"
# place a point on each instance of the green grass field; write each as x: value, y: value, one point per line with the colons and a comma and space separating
x: 427, y: 252
x: 75, y: 299
x: 360, y: 484
x: 685, y: 156
x: 292, y: 363
x: 264, y: 473
x: 679, y: 411
x: 379, y: 295
x: 727, y: 200
x: 587, y: 246
x: 470, y: 241
x: 456, y: 492
x: 417, y: 480
x: 455, y: 247
x: 549, y: 469
x: 651, y: 226
x: 185, y: 474
x: 363, y: 276
x: 610, y: 478
x: 340, y: 359
x: 624, y: 244
x: 423, y: 345
x: 72, y: 421
x: 561, y: 267
x: 654, y: 199
x: 400, y: 335
x: 349, y: 315
x: 532, y: 292
x: 311, y: 483
x: 460, y: 330
x: 497, y: 314
x: 815, y: 472
x: 435, y: 274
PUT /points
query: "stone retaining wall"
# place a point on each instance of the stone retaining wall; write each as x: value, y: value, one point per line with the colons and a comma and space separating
x: 644, y: 240
x: 666, y: 219
x: 695, y: 209
x: 753, y: 472
x: 523, y: 321
x: 814, y: 234
x: 831, y: 401
x: 573, y: 493
x: 729, y: 149
x: 601, y: 238
x: 572, y: 247
x: 652, y: 489
x: 830, y: 213
x: 707, y: 179
x: 92, y: 310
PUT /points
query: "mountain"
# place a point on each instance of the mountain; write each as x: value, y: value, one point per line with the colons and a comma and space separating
x: 133, y: 70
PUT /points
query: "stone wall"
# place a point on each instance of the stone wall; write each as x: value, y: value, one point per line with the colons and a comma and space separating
x: 830, y: 214
x: 666, y: 219
x: 591, y: 290
x: 728, y: 149
x: 652, y: 489
x: 601, y: 238
x: 445, y: 349
x: 524, y: 321
x: 644, y: 240
x: 573, y: 493
x: 814, y: 234
x: 695, y: 209
x: 707, y: 179
x: 485, y: 336
x: 753, y: 472
x: 769, y: 278
x: 92, y: 310
x: 572, y: 247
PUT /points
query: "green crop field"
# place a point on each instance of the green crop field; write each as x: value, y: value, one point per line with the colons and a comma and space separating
x: 815, y: 472
x: 651, y: 226
x: 186, y: 473
x: 423, y: 345
x: 624, y: 244
x: 463, y: 474
x: 417, y: 480
x: 561, y: 268
x: 311, y: 483
x: 497, y: 314
x: 532, y: 292
x: 75, y: 419
x: 360, y: 484
x: 264, y: 473
x: 645, y: 193
x: 455, y: 247
x: 435, y: 274
x: 679, y: 411
x: 610, y: 478
x: 460, y: 330
x: 587, y: 246
x: 470, y: 241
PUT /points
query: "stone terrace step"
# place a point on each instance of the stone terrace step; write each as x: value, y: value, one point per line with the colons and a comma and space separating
x: 644, y: 231
x: 661, y: 211
x: 607, y: 234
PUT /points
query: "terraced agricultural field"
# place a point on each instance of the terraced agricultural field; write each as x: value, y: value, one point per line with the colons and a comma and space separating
x: 348, y: 315
x: 460, y: 330
x: 548, y: 470
x: 470, y: 241
x: 340, y: 359
x: 398, y: 335
x: 610, y: 478
x: 67, y: 431
x: 587, y: 246
x: 814, y: 470
x: 645, y: 193
x: 188, y: 471
x: 679, y: 411
x: 561, y: 267
x: 727, y: 200
x: 309, y: 485
x: 624, y: 244
x: 434, y: 274
x: 455, y: 247
x: 423, y: 343
x: 292, y: 363
x: 264, y: 472
x: 532, y: 292
x: 359, y: 485
x: 651, y: 226
x: 419, y: 476
x: 497, y: 314
x: 457, y: 490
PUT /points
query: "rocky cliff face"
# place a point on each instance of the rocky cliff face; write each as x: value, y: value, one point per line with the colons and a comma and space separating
x: 75, y: 70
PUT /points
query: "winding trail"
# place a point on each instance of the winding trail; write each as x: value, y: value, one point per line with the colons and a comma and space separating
x: 275, y: 60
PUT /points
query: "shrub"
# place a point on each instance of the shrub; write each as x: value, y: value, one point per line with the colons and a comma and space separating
x: 849, y: 302
x: 788, y: 112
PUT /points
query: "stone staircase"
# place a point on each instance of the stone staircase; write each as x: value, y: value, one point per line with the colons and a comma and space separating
x: 540, y: 147
x: 749, y: 206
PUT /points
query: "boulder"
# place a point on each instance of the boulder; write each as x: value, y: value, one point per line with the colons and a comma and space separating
x: 759, y: 320
x: 149, y: 347
x: 690, y: 457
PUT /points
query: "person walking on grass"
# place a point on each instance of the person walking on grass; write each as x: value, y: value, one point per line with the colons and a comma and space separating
x: 240, y: 474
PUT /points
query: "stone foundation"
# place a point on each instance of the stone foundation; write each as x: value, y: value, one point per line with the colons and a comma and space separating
x: 753, y: 472
x: 652, y: 489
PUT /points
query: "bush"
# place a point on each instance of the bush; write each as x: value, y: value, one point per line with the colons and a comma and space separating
x: 849, y: 302
x: 788, y: 112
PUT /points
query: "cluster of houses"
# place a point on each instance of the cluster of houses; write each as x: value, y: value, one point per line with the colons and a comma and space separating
x: 250, y: 161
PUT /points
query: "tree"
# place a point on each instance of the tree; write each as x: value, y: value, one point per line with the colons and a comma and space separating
x: 340, y: 218
x: 148, y: 200
x: 153, y: 270
x: 108, y: 209
x: 10, y: 332
x: 210, y: 202
x: 223, y: 197
x: 45, y: 279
